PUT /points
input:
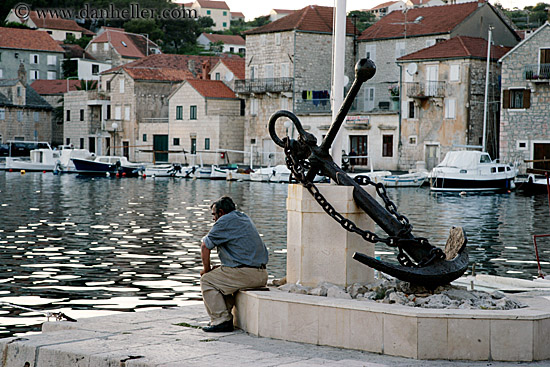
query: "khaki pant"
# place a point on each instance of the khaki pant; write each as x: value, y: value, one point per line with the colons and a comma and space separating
x: 218, y: 286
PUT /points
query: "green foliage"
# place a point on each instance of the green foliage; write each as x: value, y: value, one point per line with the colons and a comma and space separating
x: 145, y: 26
x: 14, y: 25
x: 361, y: 19
x: 70, y: 68
x: 529, y: 17
x: 82, y: 41
x: 87, y: 85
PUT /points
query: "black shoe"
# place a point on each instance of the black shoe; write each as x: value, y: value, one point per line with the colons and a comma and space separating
x: 220, y: 328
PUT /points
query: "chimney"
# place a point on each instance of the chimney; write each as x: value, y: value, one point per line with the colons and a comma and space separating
x: 191, y: 67
x: 205, y: 70
x: 22, y: 74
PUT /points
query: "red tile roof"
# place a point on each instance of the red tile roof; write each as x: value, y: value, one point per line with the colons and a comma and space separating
x: 383, y: 5
x: 57, y: 86
x: 213, y: 4
x: 126, y: 44
x: 27, y: 39
x: 57, y: 23
x: 457, y: 47
x: 211, y: 88
x: 225, y: 39
x: 237, y: 14
x: 435, y: 20
x: 283, y: 11
x: 168, y: 67
x: 236, y: 66
x: 312, y: 18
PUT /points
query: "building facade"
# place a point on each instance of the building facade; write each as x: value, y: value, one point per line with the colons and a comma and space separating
x: 217, y: 10
x: 525, y: 112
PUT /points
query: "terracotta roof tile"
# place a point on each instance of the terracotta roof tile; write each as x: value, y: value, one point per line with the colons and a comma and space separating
x: 213, y: 4
x: 57, y: 23
x: 57, y: 86
x: 27, y: 39
x: 237, y: 14
x: 237, y: 67
x: 435, y: 20
x: 170, y: 67
x: 283, y: 11
x: 312, y: 18
x: 457, y: 47
x: 225, y: 39
x: 212, y: 88
x: 126, y: 44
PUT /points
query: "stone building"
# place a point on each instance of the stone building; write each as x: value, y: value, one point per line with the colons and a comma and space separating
x: 217, y: 10
x: 229, y: 70
x: 385, y: 8
x: 39, y: 53
x: 138, y: 93
x: 58, y: 28
x: 24, y: 115
x: 117, y: 47
x: 206, y: 118
x: 440, y: 113
x: 228, y: 43
x: 288, y: 67
x: 525, y: 112
x: 53, y: 92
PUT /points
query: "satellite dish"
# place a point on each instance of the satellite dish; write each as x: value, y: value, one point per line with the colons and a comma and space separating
x: 229, y: 76
x: 346, y: 80
x: 412, y: 68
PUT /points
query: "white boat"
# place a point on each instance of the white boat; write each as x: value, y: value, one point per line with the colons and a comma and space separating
x: 47, y: 159
x: 375, y: 176
x: 468, y: 170
x: 261, y: 174
x: 414, y: 179
x: 534, y: 184
x: 280, y: 173
x: 170, y: 170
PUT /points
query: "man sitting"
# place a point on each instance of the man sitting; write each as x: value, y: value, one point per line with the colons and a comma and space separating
x: 243, y: 256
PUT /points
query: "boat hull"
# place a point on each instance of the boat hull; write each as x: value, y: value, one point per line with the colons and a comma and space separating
x: 92, y: 168
x: 455, y: 184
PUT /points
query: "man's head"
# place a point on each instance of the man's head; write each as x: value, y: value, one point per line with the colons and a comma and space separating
x: 222, y: 206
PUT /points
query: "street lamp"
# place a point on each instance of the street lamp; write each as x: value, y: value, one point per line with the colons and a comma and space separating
x: 114, y: 126
x: 287, y: 124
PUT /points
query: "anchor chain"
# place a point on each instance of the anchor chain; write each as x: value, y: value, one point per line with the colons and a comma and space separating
x: 298, y: 168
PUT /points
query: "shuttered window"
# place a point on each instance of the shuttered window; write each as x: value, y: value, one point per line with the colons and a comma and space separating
x: 516, y: 98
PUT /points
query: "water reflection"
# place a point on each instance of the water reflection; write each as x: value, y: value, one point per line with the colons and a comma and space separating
x: 89, y: 247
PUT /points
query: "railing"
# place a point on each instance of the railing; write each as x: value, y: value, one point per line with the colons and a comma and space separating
x: 537, y: 72
x: 313, y: 105
x: 264, y: 85
x: 425, y: 89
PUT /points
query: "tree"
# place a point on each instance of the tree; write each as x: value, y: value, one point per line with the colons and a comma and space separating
x: 145, y: 26
x: 362, y: 19
x: 82, y: 41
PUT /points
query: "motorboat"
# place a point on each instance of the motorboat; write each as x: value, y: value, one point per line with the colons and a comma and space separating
x: 261, y: 174
x: 534, y: 184
x: 468, y: 170
x: 170, y: 170
x: 48, y: 159
x: 108, y: 165
x: 280, y: 173
x: 413, y: 179
x: 375, y: 176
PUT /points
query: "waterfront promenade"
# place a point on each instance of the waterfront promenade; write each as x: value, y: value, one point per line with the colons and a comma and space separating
x: 171, y: 337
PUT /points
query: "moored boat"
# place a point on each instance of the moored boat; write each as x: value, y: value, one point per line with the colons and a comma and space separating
x: 471, y: 171
x: 170, y: 170
x: 48, y: 159
x: 414, y: 179
x: 107, y: 165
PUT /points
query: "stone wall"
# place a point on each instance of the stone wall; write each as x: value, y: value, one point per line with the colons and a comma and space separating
x: 10, y: 63
x: 527, y: 125
x: 30, y: 127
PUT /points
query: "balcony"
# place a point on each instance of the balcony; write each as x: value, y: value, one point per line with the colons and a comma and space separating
x: 537, y: 73
x: 313, y: 106
x: 265, y: 85
x: 425, y: 90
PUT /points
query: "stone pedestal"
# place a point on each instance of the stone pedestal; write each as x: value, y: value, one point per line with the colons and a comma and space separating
x: 318, y: 248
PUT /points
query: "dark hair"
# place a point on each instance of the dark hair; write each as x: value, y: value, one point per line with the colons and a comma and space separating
x: 224, y: 203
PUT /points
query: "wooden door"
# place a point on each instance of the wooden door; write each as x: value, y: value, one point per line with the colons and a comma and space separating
x: 541, y: 151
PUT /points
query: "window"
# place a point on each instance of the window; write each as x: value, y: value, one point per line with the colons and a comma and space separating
x: 450, y: 108
x: 68, y: 115
x: 106, y: 46
x: 81, y: 115
x: 108, y: 86
x: 95, y: 69
x: 19, y: 115
x: 91, y: 144
x: 369, y: 98
x: 81, y: 143
x: 127, y: 113
x: 52, y: 75
x: 34, y: 59
x: 516, y: 98
x: 284, y: 103
x: 263, y: 39
x: 231, y: 49
x: 206, y: 143
x: 455, y: 73
x: 224, y: 24
x: 253, y: 72
x: 179, y: 112
x: 387, y: 145
x: 68, y: 141
x: 224, y: 13
x: 94, y: 47
x: 18, y: 91
x: 522, y: 145
x: 413, y: 139
x: 0, y: 56
x: 285, y: 70
x: 193, y: 112
x: 278, y: 39
x: 121, y: 86
x: 208, y: 12
x: 108, y: 113
x: 1, y: 73
x: 269, y: 72
x: 218, y: 76
x: 370, y: 52
x: 52, y: 60
x: 412, y: 110
x: 544, y: 56
x: 176, y: 141
x: 144, y: 137
x: 2, y: 113
x: 193, y: 146
x: 253, y: 107
x: 35, y: 74
x: 118, y: 113
x: 399, y: 49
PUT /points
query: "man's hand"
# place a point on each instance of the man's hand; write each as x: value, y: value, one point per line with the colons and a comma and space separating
x: 204, y: 271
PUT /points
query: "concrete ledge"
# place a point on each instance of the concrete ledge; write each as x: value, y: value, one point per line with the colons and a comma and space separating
x: 514, y: 335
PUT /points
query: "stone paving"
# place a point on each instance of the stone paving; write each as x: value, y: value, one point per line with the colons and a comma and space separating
x: 154, y: 338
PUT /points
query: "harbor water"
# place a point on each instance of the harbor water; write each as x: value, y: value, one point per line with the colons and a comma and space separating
x: 95, y: 246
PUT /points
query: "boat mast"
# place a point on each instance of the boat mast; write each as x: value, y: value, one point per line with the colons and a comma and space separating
x: 338, y: 69
x: 485, y: 112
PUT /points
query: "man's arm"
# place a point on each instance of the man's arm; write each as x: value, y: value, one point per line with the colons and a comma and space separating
x: 205, y: 256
